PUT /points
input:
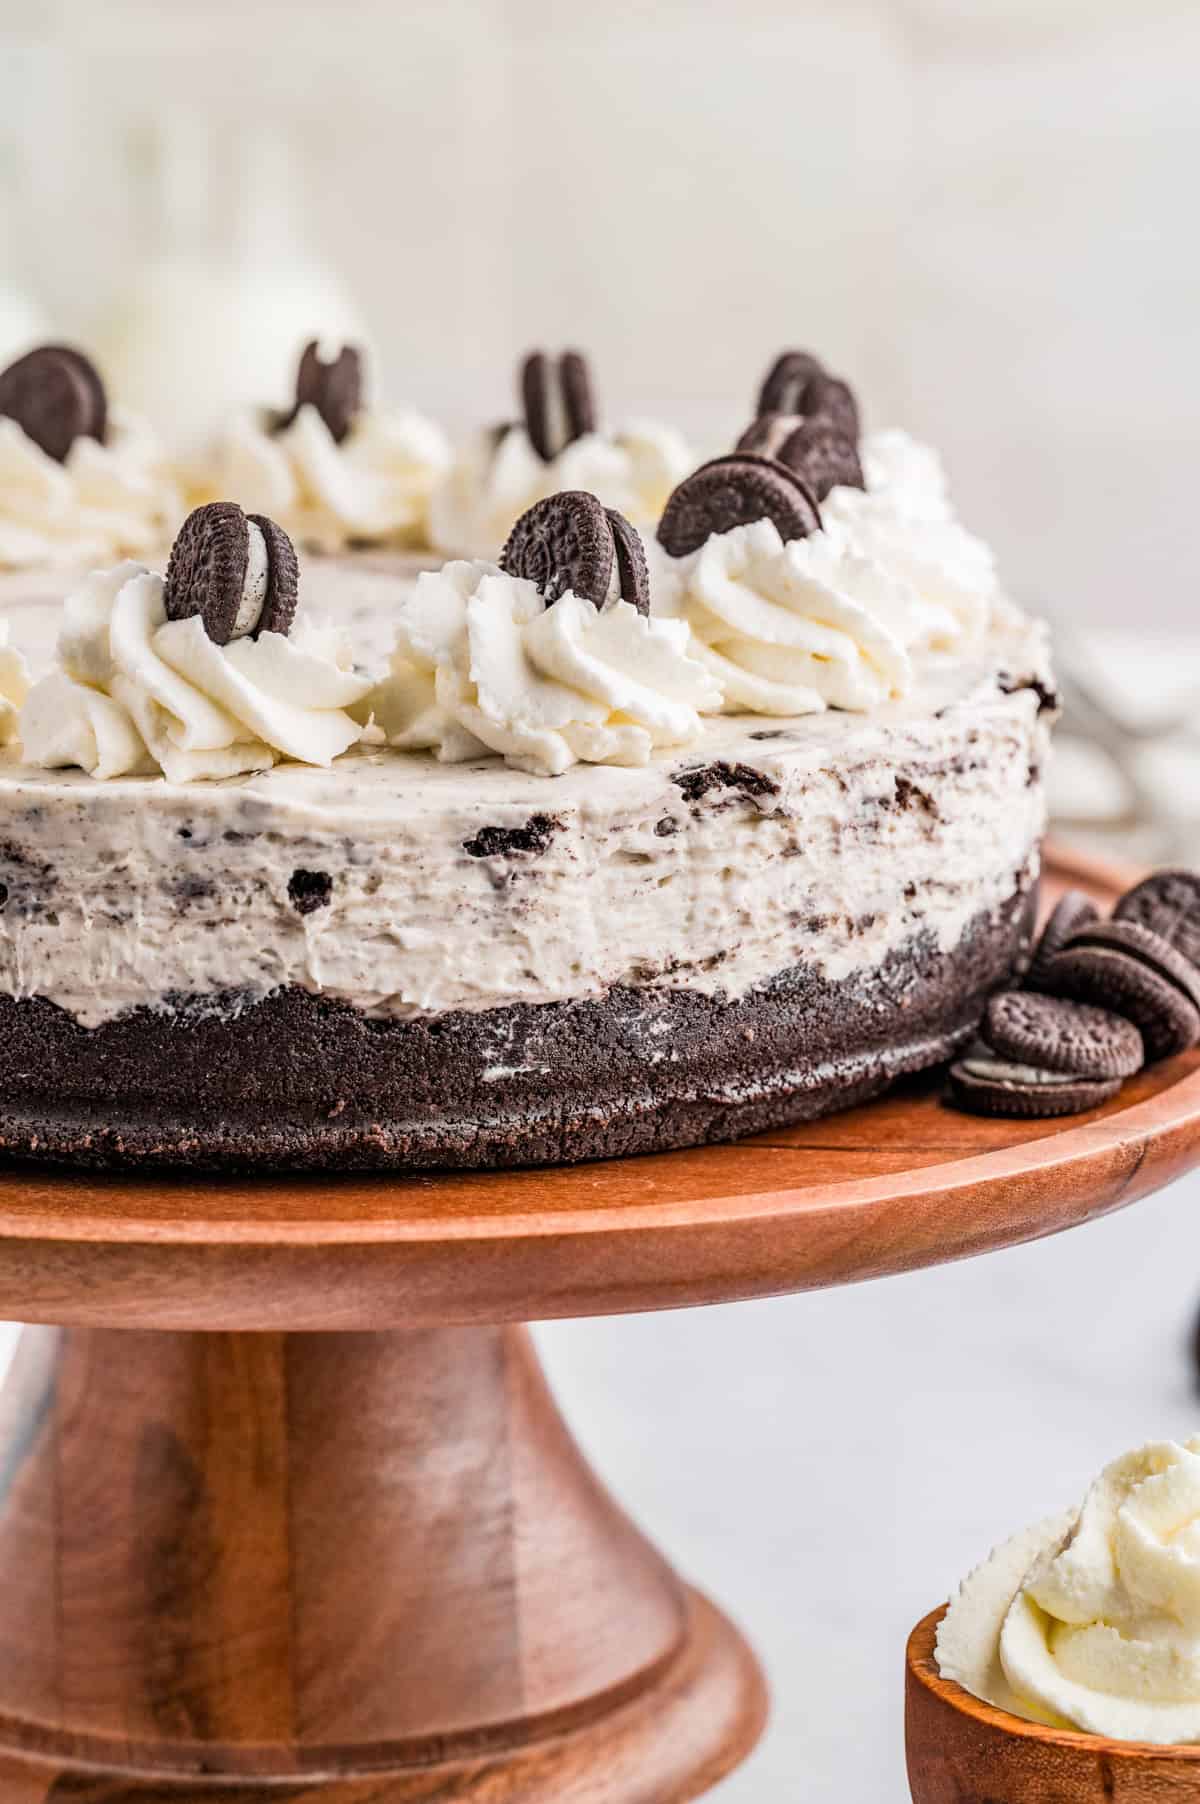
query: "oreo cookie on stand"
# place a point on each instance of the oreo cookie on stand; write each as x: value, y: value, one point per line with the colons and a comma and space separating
x: 735, y: 491
x: 238, y: 572
x: 334, y: 388
x: 558, y: 401
x: 1168, y: 903
x: 572, y: 541
x: 56, y: 395
x: 1075, y: 1039
x: 1166, y: 1016
x: 991, y: 1087
x: 1072, y: 911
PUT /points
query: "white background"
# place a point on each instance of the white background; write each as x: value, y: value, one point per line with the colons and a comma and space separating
x: 983, y: 211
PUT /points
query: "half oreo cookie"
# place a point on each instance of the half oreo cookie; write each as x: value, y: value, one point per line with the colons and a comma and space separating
x: 735, y: 491
x: 334, y: 388
x: 211, y: 572
x: 56, y: 395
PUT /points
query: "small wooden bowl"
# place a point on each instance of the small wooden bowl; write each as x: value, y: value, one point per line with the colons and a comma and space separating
x: 962, y: 1751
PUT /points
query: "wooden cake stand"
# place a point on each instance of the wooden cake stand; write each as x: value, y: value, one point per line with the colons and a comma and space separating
x: 287, y: 1507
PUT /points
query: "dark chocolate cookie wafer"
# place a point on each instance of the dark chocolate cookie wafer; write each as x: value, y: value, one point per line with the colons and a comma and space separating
x: 831, y: 401
x: 1168, y: 903
x: 633, y: 573
x: 206, y: 572
x: 733, y: 491
x: 1142, y: 942
x: 56, y: 396
x: 1072, y: 911
x: 335, y: 389
x: 786, y: 382
x: 537, y: 405
x: 579, y: 401
x: 823, y: 457
x: 1168, y: 1020
x: 1011, y: 1096
x: 1074, y: 1038
x: 564, y: 542
x: 283, y: 578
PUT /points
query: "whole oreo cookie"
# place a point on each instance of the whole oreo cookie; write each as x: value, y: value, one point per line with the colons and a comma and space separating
x: 1142, y: 942
x: 786, y: 382
x: 55, y: 395
x: 1168, y: 903
x: 1072, y: 911
x: 734, y: 491
x: 557, y: 400
x: 1052, y: 1034
x: 633, y: 573
x: 335, y: 388
x: 564, y: 542
x: 206, y: 572
x: 1004, y: 1092
x: 1168, y: 1020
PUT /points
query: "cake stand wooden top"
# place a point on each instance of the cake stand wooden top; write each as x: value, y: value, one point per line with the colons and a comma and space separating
x: 899, y: 1183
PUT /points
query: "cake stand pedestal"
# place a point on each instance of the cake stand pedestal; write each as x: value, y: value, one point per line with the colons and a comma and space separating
x: 287, y: 1508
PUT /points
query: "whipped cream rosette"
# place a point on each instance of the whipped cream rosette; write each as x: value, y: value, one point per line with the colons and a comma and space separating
x: 798, y: 606
x: 371, y: 489
x: 483, y: 665
x: 499, y: 477
x: 106, y: 500
x: 550, y: 658
x: 903, y: 521
x: 797, y: 627
x: 1092, y: 1620
x: 333, y: 471
x: 137, y: 691
x: 558, y: 446
x: 14, y: 685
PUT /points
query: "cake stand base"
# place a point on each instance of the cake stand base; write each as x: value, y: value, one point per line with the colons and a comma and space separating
x: 365, y: 1564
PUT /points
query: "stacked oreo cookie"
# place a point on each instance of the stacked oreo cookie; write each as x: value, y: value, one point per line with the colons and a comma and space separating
x: 1101, y: 998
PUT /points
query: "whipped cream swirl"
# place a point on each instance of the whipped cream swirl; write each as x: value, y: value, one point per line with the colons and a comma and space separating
x: 903, y: 521
x: 493, y: 483
x: 371, y: 489
x: 799, y: 627
x: 1093, y: 1621
x: 14, y: 685
x: 483, y: 665
x: 136, y: 692
x: 111, y: 500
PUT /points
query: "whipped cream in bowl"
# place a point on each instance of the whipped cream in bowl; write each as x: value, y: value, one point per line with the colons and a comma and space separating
x: 482, y: 665
x: 499, y: 476
x: 136, y: 693
x: 1090, y: 1620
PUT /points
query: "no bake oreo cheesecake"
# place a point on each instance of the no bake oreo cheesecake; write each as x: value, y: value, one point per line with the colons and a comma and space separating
x: 629, y: 844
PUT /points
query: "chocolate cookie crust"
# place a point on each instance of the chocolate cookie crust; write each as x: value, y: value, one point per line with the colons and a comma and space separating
x: 301, y: 1083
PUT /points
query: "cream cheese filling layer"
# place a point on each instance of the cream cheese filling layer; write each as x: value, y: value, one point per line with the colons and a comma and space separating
x: 829, y: 840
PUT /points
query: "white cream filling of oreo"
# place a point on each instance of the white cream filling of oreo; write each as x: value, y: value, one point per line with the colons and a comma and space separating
x: 254, y: 583
x: 981, y: 1062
